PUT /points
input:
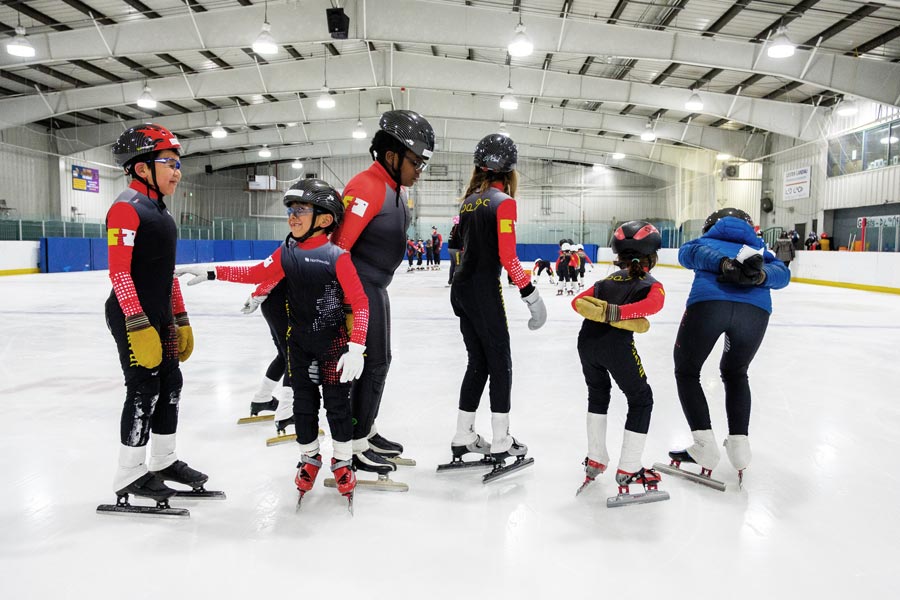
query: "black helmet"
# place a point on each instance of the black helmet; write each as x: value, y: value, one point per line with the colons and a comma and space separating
x: 497, y: 153
x: 322, y: 196
x: 725, y: 212
x: 411, y: 129
x: 638, y: 238
x: 143, y: 140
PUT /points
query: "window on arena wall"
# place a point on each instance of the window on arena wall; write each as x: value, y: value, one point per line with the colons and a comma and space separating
x: 865, y: 150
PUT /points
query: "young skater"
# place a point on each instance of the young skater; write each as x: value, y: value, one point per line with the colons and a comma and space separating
x: 487, y: 228
x: 541, y: 265
x: 320, y: 278
x: 731, y: 295
x: 614, y: 308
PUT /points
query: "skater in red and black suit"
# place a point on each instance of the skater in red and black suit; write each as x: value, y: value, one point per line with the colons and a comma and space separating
x: 614, y: 308
x: 487, y: 230
x: 320, y: 277
x: 146, y: 315
x: 376, y: 219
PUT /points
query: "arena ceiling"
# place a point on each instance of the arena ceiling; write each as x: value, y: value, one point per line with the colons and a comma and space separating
x: 602, y: 72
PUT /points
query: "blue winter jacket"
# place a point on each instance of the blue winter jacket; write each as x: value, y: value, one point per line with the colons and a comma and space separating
x: 725, y: 239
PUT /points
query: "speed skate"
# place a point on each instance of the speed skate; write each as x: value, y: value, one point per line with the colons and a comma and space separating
x: 648, y: 478
x: 674, y: 469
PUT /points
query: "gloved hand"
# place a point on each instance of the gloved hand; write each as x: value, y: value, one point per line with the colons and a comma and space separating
x: 200, y: 274
x: 639, y: 325
x: 144, y: 341
x: 537, y: 309
x: 252, y: 303
x: 351, y: 364
x: 185, y: 336
x: 749, y: 273
x: 595, y: 309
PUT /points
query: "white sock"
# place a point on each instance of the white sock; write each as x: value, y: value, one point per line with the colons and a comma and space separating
x: 264, y: 393
x: 465, y: 429
x: 343, y: 450
x: 704, y: 450
x: 162, y: 451
x: 738, y: 449
x: 502, y: 441
x: 596, y: 435
x: 131, y: 466
x: 632, y: 451
x: 285, y: 396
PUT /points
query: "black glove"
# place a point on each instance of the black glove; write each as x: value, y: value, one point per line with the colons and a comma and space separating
x: 748, y: 273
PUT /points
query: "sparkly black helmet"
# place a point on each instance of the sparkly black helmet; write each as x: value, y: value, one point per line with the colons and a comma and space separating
x: 411, y: 129
x: 143, y: 140
x: 636, y: 238
x: 725, y: 212
x: 496, y: 152
x: 322, y: 196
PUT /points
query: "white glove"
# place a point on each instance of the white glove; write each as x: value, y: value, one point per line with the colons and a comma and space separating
x: 537, y: 309
x: 200, y: 274
x: 252, y: 303
x: 351, y: 364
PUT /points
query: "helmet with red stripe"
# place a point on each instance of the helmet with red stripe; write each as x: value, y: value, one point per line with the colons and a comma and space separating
x: 638, y: 238
x: 143, y: 141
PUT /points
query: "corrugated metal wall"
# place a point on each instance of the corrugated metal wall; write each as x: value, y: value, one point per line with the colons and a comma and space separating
x: 78, y: 205
x: 25, y: 173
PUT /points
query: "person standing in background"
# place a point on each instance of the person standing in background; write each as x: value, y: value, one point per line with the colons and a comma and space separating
x: 437, y: 242
x: 784, y: 249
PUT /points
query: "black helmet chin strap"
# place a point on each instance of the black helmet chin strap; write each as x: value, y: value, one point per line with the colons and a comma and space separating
x: 150, y: 186
x: 313, y: 228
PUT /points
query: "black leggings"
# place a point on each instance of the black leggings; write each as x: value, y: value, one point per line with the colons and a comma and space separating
x: 744, y: 326
x: 482, y: 321
x: 368, y: 389
x: 151, y: 395
x: 274, y: 311
x: 614, y: 353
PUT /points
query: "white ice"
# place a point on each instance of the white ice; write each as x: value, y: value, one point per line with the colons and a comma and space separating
x: 817, y: 516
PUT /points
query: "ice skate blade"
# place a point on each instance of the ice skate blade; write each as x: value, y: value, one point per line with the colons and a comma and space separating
x: 584, y: 486
x: 464, y: 465
x: 500, y: 472
x: 142, y: 511
x: 200, y: 493
x: 281, y: 439
x: 256, y: 419
x: 400, y: 461
x: 643, y: 498
x: 702, y: 480
x: 382, y: 484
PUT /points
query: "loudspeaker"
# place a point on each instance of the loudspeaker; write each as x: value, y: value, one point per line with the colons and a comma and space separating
x: 208, y: 169
x: 338, y: 23
x: 766, y: 205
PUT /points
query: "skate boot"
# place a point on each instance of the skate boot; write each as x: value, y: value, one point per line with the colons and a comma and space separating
x: 505, y: 446
x: 388, y: 449
x: 703, y: 452
x: 738, y: 449
x: 591, y: 470
x: 559, y: 292
x: 307, y: 470
x: 263, y: 400
x: 258, y: 407
x: 281, y: 434
x: 645, y: 477
x: 371, y: 462
x: 479, y: 446
x: 148, y: 486
x: 345, y: 480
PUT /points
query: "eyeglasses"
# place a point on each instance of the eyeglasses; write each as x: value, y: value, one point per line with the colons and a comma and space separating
x: 172, y: 163
x: 299, y: 211
x: 417, y: 163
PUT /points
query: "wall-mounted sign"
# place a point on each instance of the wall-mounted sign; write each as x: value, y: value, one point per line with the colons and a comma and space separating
x: 796, y: 183
x: 880, y: 221
x: 85, y: 179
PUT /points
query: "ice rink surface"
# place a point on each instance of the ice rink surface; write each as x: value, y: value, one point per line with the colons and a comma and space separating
x: 816, y: 518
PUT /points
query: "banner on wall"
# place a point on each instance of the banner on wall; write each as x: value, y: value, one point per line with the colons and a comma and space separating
x: 796, y: 183
x: 85, y: 179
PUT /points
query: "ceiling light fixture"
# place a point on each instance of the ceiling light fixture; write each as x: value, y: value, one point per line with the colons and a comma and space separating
x: 146, y: 100
x: 889, y: 140
x: 325, y: 100
x: 723, y: 156
x: 19, y: 44
x: 618, y: 156
x: 780, y: 46
x: 597, y: 167
x: 521, y: 44
x: 502, y: 130
x: 694, y: 103
x: 647, y: 135
x: 264, y: 152
x: 297, y: 164
x: 847, y: 107
x: 219, y: 132
x: 508, y: 101
x: 265, y: 43
x: 359, y: 133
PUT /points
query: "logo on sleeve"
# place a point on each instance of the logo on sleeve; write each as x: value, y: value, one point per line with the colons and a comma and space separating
x: 506, y: 226
x: 120, y: 237
x: 268, y: 261
x: 359, y: 207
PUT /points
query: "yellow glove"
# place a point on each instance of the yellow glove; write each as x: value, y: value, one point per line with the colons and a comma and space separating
x: 593, y: 309
x: 146, y: 349
x: 639, y: 325
x: 185, y: 336
x: 348, y: 319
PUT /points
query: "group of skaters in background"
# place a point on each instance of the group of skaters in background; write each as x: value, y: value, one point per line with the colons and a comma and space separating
x: 429, y: 249
x: 329, y: 280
